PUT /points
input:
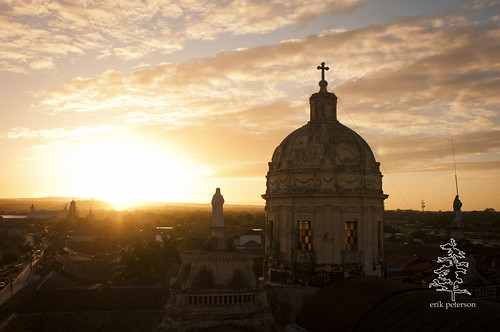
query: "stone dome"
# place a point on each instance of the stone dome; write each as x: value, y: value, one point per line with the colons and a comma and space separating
x: 323, y: 156
x: 329, y: 145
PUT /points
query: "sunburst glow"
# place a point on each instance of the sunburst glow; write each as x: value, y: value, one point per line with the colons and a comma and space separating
x: 125, y: 172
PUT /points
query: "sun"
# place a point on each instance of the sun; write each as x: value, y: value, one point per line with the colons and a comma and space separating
x: 125, y: 172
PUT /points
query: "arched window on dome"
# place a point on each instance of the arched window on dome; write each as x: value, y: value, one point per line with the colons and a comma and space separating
x: 305, y: 235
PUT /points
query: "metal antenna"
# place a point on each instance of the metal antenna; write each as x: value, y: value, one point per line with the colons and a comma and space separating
x: 454, y: 163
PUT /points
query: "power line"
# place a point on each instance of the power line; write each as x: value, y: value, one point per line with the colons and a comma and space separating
x: 454, y: 163
x: 386, y: 173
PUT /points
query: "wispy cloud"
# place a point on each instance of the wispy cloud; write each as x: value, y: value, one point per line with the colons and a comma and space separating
x: 37, y: 33
x: 420, y: 153
x: 390, y: 72
x: 58, y: 133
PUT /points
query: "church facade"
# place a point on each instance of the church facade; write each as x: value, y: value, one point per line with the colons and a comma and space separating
x: 324, y: 202
x: 72, y: 213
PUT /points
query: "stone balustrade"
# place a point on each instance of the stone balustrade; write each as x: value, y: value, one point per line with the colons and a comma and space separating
x: 218, y: 299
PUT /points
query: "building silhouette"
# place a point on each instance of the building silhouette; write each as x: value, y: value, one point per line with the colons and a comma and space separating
x: 324, y: 202
x: 216, y: 286
x: 72, y: 212
x: 47, y: 214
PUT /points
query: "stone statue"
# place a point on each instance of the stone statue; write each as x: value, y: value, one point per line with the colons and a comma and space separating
x: 217, y: 213
x: 457, y: 205
x: 457, y: 227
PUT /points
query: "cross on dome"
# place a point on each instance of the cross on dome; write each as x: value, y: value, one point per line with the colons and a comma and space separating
x: 323, y: 68
x: 323, y: 83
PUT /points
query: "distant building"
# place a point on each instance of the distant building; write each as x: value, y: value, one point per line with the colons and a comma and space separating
x: 164, y: 233
x: 90, y: 216
x: 72, y: 213
x: 401, y: 266
x: 251, y: 239
x: 85, y: 267
x: 81, y: 242
x: 30, y: 239
x: 47, y: 214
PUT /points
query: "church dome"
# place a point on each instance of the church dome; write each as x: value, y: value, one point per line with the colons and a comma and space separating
x: 329, y: 145
x: 323, y: 156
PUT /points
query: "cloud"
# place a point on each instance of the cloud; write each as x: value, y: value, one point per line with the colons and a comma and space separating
x: 403, y: 67
x: 480, y: 4
x: 406, y: 87
x: 425, y: 153
x: 58, y: 133
x: 241, y: 17
x: 133, y: 29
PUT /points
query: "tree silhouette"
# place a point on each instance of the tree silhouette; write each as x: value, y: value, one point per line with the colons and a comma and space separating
x: 448, y: 275
x: 145, y: 263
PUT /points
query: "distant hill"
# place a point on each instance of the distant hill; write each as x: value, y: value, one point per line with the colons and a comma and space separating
x: 199, y: 206
x: 22, y: 205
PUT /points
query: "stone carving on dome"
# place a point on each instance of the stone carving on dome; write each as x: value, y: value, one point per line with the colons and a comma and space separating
x: 327, y: 162
x: 340, y: 189
x: 304, y: 153
x: 373, y: 182
x: 276, y: 159
x: 348, y: 154
x: 277, y: 155
x: 283, y: 180
x: 304, y: 181
x: 327, y: 179
x: 327, y: 183
x: 337, y: 161
x: 272, y: 184
x: 350, y: 181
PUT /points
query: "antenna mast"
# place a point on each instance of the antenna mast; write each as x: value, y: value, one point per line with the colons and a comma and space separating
x: 454, y: 164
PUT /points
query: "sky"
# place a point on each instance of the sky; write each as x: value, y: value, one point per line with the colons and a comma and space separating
x: 129, y: 100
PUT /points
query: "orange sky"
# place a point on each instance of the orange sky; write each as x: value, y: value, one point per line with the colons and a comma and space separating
x: 158, y: 100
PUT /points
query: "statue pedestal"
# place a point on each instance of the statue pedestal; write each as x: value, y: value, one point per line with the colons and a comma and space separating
x: 457, y: 227
x: 218, y: 231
